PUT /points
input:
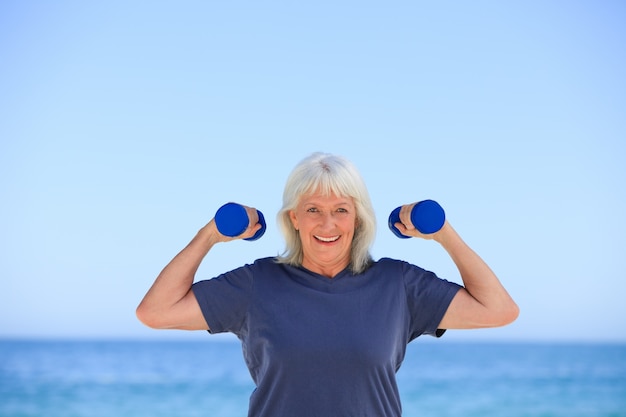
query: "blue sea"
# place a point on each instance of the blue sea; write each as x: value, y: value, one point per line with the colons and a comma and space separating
x: 196, y: 378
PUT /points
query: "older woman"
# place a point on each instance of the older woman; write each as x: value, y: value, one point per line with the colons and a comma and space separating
x: 324, y: 327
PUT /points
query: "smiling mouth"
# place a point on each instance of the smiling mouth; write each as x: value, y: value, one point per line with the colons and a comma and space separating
x: 327, y: 239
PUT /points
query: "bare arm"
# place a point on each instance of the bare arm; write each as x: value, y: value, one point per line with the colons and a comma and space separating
x: 483, y: 302
x: 170, y: 302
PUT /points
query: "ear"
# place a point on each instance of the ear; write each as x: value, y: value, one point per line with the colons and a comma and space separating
x: 294, y: 219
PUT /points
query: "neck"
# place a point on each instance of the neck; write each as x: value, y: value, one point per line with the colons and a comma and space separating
x: 328, y: 271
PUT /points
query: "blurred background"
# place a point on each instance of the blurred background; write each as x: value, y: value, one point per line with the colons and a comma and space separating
x: 125, y: 125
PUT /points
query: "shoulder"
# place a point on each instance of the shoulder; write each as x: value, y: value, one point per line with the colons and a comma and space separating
x: 263, y: 268
x: 394, y: 264
x: 411, y: 274
x: 247, y: 272
x: 390, y: 268
x: 258, y: 265
x: 267, y: 264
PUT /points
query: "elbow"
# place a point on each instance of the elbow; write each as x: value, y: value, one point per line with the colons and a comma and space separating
x: 508, y: 314
x: 500, y: 316
x: 515, y: 313
x: 148, y: 318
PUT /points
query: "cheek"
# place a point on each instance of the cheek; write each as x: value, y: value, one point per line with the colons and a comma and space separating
x: 349, y: 225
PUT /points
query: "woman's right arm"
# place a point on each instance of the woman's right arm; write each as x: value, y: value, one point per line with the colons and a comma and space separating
x: 170, y: 302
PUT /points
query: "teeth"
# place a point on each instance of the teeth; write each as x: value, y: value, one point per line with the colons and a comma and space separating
x: 327, y: 239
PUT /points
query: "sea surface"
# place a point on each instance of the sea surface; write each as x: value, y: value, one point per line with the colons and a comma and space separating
x: 190, y: 378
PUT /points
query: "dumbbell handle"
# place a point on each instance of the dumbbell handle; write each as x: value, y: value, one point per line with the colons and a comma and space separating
x: 232, y: 220
x: 427, y: 216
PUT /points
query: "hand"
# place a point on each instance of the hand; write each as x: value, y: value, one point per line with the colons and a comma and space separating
x: 407, y: 228
x: 252, y: 228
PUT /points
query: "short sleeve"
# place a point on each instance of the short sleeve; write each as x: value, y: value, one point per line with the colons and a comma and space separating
x: 428, y: 298
x: 224, y: 300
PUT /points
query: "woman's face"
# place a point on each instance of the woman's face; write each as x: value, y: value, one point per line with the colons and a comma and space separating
x: 326, y: 226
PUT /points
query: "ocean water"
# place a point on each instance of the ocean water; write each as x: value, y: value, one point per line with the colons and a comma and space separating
x: 184, y: 379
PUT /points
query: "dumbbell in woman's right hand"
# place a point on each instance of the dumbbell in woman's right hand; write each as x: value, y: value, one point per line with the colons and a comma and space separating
x: 427, y: 217
x: 232, y: 220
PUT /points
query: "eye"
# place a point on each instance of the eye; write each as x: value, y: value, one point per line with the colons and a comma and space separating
x: 342, y: 210
x: 311, y: 210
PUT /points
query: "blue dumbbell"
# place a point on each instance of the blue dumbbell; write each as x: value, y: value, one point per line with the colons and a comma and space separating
x: 427, y: 216
x: 232, y: 220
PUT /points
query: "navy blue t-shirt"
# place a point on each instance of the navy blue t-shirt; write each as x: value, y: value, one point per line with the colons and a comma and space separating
x: 323, y: 347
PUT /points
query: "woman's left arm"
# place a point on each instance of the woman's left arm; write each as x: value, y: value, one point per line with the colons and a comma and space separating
x: 483, y: 302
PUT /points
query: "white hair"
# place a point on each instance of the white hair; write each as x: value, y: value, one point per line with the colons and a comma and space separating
x: 328, y: 174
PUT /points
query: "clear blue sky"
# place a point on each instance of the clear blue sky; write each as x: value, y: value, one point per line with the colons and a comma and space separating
x: 125, y: 125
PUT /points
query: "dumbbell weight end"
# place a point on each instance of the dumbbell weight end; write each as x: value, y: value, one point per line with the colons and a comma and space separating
x: 427, y: 216
x: 232, y: 220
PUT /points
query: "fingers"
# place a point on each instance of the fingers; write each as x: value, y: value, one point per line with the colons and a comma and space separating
x: 405, y: 217
x: 253, y: 223
x: 406, y: 226
x: 253, y: 215
x: 235, y: 221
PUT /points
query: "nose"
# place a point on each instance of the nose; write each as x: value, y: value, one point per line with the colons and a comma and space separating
x: 328, y: 220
